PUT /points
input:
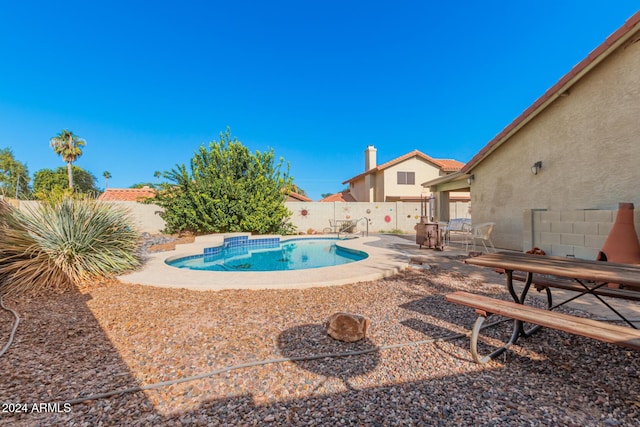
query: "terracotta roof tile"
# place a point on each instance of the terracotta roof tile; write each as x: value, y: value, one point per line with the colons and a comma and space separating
x: 127, y: 194
x: 343, y: 196
x: 298, y: 197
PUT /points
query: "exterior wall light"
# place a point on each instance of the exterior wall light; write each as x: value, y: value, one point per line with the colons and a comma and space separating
x: 471, y: 179
x: 536, y: 167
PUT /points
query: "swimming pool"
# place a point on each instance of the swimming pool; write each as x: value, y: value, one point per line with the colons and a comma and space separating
x: 269, y: 254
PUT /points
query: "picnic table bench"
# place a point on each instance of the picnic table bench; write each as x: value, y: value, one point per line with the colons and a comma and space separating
x: 586, y: 277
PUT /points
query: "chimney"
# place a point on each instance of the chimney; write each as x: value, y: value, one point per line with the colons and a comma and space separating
x: 370, y: 158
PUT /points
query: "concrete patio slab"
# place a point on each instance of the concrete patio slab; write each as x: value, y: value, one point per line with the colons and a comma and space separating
x: 388, y: 254
x: 382, y: 262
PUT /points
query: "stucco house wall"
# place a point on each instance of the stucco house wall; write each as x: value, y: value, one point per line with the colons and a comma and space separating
x: 380, y: 182
x: 358, y: 189
x: 589, y: 145
x: 423, y: 171
x: 380, y: 188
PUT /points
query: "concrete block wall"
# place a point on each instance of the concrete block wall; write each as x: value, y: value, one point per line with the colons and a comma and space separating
x: 308, y: 216
x: 382, y: 217
x: 578, y: 233
x: 146, y: 218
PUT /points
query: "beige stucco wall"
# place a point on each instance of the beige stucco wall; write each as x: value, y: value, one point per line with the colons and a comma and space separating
x: 379, y: 187
x: 589, y: 145
x: 359, y: 190
x: 424, y: 171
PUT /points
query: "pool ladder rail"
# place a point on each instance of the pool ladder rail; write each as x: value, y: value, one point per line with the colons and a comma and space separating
x: 343, y: 232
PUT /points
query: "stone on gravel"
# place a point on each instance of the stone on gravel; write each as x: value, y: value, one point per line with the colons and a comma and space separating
x: 347, y: 327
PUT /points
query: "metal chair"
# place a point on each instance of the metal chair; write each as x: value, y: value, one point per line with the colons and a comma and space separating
x: 482, y: 232
x: 334, y: 227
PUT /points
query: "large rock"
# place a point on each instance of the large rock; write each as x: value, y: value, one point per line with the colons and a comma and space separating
x: 347, y: 327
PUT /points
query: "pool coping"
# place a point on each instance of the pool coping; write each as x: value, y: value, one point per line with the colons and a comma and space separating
x: 381, y: 262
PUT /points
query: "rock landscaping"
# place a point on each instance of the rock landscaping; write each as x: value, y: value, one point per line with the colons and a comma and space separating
x: 109, y: 337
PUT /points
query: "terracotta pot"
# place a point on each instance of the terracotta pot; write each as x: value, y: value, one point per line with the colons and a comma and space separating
x: 622, y: 243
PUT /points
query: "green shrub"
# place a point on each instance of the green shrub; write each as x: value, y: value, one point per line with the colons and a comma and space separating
x: 63, y: 242
x: 227, y: 189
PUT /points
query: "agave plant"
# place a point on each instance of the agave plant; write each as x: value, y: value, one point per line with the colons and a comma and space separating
x: 63, y: 242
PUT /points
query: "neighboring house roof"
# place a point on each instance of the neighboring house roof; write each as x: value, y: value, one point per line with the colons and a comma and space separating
x: 127, y: 194
x: 295, y: 197
x: 343, y: 196
x: 446, y: 165
x: 596, y: 56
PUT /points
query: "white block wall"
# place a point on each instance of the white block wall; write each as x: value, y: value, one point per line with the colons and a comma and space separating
x: 580, y: 233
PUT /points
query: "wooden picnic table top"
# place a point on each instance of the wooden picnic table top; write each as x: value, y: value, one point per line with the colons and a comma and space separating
x: 574, y: 268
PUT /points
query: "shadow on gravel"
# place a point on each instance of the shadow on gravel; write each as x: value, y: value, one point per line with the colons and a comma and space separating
x: 559, y: 380
x: 313, y: 340
x: 60, y: 353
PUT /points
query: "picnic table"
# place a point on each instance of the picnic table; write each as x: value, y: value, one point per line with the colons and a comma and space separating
x: 546, y: 273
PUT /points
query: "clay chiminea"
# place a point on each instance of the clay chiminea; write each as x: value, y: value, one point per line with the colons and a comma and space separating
x: 622, y: 243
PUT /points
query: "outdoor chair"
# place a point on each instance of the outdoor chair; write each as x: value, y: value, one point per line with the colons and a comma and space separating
x: 334, y: 227
x: 458, y: 230
x: 482, y: 232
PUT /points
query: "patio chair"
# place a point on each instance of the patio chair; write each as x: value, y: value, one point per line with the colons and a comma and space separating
x: 458, y: 229
x: 482, y: 232
x: 334, y: 227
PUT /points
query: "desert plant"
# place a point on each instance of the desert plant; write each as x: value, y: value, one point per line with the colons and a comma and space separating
x: 63, y: 242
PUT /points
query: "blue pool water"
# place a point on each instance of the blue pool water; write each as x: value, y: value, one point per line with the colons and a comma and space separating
x: 271, y: 255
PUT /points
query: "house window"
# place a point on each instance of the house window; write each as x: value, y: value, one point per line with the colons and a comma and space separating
x: 406, y: 178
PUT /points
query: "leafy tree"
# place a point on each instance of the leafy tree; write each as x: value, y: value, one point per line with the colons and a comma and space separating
x: 226, y: 189
x: 323, y: 195
x: 298, y: 190
x: 67, y: 145
x: 143, y: 184
x: 14, y: 175
x: 106, y: 175
x: 48, y: 180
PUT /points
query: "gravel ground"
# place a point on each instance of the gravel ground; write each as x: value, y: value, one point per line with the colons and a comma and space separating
x: 113, y: 336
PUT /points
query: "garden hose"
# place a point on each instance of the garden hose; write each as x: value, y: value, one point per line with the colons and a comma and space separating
x: 268, y: 362
x: 15, y: 326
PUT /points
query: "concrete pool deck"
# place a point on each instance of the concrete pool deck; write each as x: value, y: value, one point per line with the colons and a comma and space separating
x: 388, y: 254
x: 384, y: 260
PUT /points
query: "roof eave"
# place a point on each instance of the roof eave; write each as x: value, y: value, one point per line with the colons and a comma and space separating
x: 444, y: 179
x: 599, y: 54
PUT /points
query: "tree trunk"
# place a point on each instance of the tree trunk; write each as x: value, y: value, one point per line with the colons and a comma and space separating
x: 70, y: 175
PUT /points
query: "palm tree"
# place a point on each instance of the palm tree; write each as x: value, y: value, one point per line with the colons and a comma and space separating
x: 157, y: 174
x: 67, y: 145
x: 106, y: 175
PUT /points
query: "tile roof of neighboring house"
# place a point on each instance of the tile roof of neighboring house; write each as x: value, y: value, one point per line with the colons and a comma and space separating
x: 298, y: 197
x: 446, y: 165
x: 343, y: 196
x: 621, y: 35
x: 127, y: 194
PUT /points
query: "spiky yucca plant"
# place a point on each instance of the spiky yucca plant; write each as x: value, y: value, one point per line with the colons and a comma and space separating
x: 63, y: 242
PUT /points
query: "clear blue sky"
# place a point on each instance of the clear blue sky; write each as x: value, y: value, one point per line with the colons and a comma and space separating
x: 146, y: 83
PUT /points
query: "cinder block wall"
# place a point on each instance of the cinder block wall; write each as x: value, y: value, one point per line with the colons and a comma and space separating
x: 310, y: 216
x: 580, y: 233
x: 381, y: 217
